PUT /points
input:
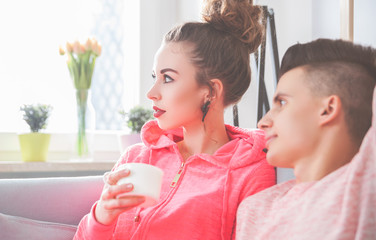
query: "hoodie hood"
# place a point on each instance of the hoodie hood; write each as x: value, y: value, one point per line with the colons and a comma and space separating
x: 244, y: 148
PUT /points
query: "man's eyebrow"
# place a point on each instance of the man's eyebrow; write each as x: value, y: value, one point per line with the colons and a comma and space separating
x: 279, y: 95
x: 168, y: 70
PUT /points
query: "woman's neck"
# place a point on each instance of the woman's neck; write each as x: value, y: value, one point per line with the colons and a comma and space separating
x: 202, y: 138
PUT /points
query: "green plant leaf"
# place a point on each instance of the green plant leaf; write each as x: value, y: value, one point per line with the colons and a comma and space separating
x: 137, y: 117
x: 36, y: 115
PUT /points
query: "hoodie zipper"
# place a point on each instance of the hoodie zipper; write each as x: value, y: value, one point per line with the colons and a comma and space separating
x: 177, y: 176
x: 147, y: 219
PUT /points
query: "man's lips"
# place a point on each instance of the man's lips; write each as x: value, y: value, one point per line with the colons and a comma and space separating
x: 158, y: 112
x: 269, y: 139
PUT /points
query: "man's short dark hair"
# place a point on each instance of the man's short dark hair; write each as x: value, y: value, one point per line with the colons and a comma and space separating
x: 337, y: 67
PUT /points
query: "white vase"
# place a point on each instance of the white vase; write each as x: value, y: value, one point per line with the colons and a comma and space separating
x: 126, y: 140
x: 85, y: 125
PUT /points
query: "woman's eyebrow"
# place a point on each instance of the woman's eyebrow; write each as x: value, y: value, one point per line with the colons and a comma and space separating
x: 168, y: 70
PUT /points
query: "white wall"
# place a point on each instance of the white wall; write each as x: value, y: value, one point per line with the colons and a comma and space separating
x: 132, y: 46
x: 364, y: 22
x: 188, y: 10
x: 293, y: 20
x: 157, y: 18
x: 326, y: 20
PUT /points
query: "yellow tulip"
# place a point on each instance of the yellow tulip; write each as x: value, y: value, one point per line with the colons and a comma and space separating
x: 94, y: 41
x: 69, y: 47
x: 88, y: 44
x: 98, y: 50
x: 61, y: 50
x: 81, y: 60
x: 82, y: 48
x: 76, y: 47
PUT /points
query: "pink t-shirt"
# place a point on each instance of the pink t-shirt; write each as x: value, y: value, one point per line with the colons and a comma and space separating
x: 342, y: 205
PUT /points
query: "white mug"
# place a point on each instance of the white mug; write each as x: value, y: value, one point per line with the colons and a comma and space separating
x: 146, y: 180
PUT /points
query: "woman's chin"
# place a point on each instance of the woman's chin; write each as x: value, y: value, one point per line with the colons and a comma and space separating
x: 165, y: 126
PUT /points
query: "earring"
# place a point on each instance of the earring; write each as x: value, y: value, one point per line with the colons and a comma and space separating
x: 205, y: 109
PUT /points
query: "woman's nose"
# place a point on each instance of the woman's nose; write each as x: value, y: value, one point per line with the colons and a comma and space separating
x: 153, y: 93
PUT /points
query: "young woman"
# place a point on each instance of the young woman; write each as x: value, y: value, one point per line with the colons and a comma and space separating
x: 209, y: 167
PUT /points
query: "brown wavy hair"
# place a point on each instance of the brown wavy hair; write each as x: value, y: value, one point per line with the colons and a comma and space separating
x: 231, y: 30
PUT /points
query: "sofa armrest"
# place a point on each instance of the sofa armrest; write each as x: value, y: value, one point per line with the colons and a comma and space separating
x: 60, y: 200
x: 19, y: 228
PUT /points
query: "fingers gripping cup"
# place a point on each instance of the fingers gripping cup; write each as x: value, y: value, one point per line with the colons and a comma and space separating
x: 146, y: 180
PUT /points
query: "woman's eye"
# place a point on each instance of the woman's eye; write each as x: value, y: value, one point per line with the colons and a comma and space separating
x: 282, y: 102
x: 167, y: 79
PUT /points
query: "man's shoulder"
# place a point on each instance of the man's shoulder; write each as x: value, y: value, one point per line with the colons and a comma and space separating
x: 256, y: 209
x: 266, y: 197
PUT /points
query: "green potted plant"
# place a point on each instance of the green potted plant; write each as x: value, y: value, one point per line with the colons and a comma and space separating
x: 34, y: 145
x: 134, y: 120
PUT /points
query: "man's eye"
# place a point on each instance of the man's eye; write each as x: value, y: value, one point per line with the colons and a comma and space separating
x: 167, y: 78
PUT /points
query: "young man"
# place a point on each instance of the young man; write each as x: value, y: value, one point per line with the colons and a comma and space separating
x: 319, y: 125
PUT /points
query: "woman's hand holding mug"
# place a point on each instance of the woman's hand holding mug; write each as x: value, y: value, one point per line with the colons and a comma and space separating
x: 110, y: 206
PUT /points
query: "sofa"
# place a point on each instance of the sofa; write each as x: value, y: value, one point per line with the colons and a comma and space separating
x: 45, y: 208
x: 51, y: 208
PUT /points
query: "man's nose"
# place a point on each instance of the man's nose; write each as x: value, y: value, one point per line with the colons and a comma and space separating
x: 265, y: 122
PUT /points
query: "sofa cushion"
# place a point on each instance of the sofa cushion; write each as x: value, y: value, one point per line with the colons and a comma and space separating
x: 18, y: 228
x: 62, y: 200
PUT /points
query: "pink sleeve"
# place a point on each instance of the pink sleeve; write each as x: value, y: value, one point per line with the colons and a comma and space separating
x: 90, y: 229
x: 263, y: 177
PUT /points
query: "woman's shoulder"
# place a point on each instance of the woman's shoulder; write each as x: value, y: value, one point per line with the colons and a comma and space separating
x: 136, y: 151
x: 137, y: 148
x: 247, y: 148
x: 250, y: 134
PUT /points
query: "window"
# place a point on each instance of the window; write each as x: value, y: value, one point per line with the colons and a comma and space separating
x: 31, y: 69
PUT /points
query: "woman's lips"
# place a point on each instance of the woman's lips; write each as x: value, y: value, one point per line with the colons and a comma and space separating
x: 157, y: 112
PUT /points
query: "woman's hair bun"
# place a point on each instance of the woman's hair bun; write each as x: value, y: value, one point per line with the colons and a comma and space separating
x: 240, y: 18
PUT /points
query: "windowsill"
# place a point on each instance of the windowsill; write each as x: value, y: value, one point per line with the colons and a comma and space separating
x: 55, y: 166
x: 60, y: 157
x: 106, y: 147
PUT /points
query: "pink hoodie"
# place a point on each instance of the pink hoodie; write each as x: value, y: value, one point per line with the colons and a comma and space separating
x: 204, y: 200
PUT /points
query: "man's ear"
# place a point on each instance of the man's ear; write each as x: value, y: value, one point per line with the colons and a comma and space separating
x: 217, y: 87
x: 331, y: 109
